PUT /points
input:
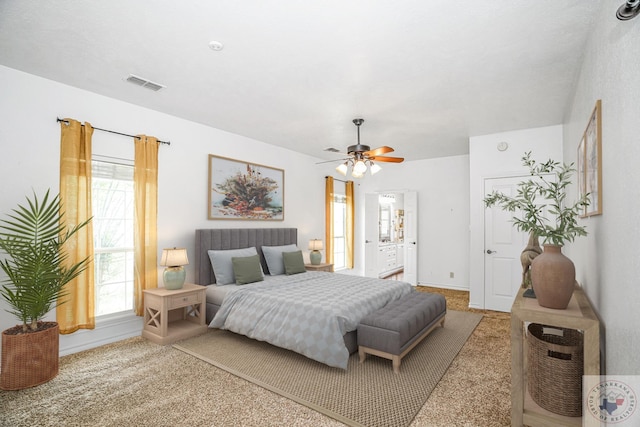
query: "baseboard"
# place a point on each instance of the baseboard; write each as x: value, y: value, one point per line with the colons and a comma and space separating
x: 105, y: 332
x: 444, y: 286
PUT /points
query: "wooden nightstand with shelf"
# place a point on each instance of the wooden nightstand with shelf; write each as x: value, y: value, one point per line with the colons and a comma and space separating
x: 319, y: 267
x: 172, y: 315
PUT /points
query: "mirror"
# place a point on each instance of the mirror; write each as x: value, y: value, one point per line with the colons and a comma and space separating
x: 385, y: 223
x: 390, y: 218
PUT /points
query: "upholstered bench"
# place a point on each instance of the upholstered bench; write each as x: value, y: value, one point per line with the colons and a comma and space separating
x: 395, y: 329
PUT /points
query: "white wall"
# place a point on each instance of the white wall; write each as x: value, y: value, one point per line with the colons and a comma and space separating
x: 30, y: 139
x: 443, y: 215
x: 486, y: 161
x: 608, y: 259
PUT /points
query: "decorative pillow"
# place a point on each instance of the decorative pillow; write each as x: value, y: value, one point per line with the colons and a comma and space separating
x: 293, y: 262
x: 247, y: 269
x: 222, y: 265
x: 273, y: 257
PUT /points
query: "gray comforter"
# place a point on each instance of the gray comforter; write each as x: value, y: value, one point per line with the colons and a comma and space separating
x: 308, y: 313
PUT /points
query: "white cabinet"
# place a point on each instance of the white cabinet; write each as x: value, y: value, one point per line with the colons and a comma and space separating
x: 390, y: 258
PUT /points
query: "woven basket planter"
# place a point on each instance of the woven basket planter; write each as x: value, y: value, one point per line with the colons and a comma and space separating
x: 555, y: 367
x: 29, y: 359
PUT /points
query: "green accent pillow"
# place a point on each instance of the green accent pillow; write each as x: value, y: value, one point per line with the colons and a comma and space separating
x: 247, y: 269
x: 293, y: 262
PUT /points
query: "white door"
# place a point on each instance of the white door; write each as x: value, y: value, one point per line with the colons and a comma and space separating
x: 502, y: 249
x: 411, y: 237
x: 371, y: 235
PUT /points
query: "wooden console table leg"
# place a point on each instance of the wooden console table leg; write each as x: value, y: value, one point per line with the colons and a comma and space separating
x: 517, y: 372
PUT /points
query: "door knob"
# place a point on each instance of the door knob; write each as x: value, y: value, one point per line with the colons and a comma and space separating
x: 489, y: 251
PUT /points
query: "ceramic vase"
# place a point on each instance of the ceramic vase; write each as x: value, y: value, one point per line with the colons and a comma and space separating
x: 553, y: 276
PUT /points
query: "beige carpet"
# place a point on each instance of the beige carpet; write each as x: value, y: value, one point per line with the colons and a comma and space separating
x: 137, y: 383
x: 367, y: 394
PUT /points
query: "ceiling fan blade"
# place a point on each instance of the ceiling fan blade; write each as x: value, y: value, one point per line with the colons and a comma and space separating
x: 333, y: 161
x: 387, y: 159
x: 378, y: 151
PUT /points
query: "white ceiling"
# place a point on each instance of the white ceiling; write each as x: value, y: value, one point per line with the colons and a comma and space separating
x: 424, y: 74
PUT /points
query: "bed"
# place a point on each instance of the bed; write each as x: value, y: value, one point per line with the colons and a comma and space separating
x: 313, y: 313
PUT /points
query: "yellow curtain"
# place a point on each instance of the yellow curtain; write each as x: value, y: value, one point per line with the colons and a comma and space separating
x: 145, y: 187
x: 328, y: 218
x: 350, y: 225
x: 78, y: 310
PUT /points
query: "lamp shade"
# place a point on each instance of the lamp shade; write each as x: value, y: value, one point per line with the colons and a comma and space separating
x: 374, y: 168
x: 356, y: 174
x: 315, y: 244
x: 360, y: 167
x: 174, y: 257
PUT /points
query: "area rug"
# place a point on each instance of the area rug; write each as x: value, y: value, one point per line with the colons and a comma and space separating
x: 366, y: 394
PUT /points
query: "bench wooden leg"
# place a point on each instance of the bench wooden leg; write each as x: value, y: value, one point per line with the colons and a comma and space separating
x: 362, y: 354
x: 395, y: 361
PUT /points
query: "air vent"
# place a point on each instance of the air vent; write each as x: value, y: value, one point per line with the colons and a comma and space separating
x: 332, y: 150
x: 139, y: 81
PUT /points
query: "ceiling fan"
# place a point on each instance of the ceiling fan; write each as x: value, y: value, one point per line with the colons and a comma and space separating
x: 362, y: 156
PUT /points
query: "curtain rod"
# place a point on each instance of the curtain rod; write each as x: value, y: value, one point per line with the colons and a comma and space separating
x: 336, y: 179
x: 58, y: 119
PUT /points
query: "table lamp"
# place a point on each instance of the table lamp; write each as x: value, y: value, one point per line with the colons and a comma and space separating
x: 174, y: 274
x: 315, y: 245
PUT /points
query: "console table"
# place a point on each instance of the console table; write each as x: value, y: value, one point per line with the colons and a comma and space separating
x: 578, y: 315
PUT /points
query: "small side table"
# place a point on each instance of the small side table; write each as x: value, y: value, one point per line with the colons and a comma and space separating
x: 319, y: 267
x: 578, y: 315
x: 172, y: 315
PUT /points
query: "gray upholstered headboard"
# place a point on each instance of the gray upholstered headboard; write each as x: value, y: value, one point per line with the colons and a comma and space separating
x: 236, y: 238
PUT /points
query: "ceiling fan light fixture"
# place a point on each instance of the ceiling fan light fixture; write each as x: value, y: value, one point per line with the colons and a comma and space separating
x: 374, y: 168
x: 361, y: 157
x: 360, y: 167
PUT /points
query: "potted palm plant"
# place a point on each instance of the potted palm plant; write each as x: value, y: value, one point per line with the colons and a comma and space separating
x: 36, y: 268
x: 545, y: 193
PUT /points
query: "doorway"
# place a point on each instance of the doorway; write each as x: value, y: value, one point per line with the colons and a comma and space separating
x: 391, y: 237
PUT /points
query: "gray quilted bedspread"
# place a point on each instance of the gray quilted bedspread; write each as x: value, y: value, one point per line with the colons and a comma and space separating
x: 308, y: 313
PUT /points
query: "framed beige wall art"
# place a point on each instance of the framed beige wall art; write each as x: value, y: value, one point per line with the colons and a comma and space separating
x: 593, y: 161
x: 580, y: 172
x: 245, y: 191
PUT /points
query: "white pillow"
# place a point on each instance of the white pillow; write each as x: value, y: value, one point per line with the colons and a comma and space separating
x: 223, y: 266
x: 273, y: 257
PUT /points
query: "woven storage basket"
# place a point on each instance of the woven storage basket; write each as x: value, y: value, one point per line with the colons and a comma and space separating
x: 555, y: 367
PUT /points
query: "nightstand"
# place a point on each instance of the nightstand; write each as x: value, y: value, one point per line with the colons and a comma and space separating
x: 172, y: 315
x: 319, y: 267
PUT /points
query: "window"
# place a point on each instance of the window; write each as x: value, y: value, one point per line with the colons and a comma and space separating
x: 113, y: 210
x: 339, y: 231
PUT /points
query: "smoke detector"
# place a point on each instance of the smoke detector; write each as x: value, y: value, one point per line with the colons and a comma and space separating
x: 216, y: 45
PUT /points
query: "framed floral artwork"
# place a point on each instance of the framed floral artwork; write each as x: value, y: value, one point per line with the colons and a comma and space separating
x: 593, y: 161
x: 244, y: 191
